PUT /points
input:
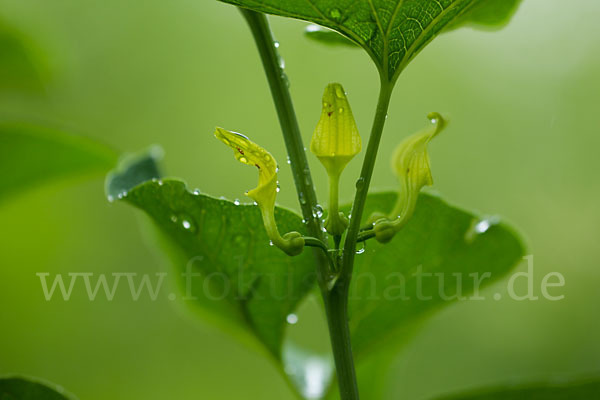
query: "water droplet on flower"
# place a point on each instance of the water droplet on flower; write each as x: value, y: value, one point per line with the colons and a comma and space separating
x: 292, y: 319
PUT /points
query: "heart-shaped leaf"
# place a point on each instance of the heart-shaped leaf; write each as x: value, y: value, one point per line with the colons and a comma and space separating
x: 441, y: 254
x: 391, y: 31
x: 224, y: 263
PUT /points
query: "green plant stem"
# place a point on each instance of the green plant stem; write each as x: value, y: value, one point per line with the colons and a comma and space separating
x: 278, y: 84
x: 336, y: 308
x: 336, y: 300
x: 364, y: 181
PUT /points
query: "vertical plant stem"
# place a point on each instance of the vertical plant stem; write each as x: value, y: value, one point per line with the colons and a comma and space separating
x: 336, y: 307
x: 336, y: 300
x: 287, y: 117
x: 364, y: 181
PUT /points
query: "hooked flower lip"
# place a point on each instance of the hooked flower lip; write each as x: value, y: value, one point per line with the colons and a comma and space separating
x: 335, y: 140
x: 411, y: 162
x: 250, y: 153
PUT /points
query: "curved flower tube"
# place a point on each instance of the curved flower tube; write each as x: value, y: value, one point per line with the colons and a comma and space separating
x: 410, y: 163
x: 249, y: 153
x: 335, y: 142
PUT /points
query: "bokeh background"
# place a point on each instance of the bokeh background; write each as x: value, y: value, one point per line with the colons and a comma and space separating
x: 523, y: 144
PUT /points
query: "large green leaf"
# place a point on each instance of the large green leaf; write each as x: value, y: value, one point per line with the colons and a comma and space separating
x: 586, y: 390
x: 17, y: 388
x: 22, y: 66
x: 438, y: 239
x: 387, y: 301
x: 31, y: 156
x: 243, y: 282
x: 391, y: 31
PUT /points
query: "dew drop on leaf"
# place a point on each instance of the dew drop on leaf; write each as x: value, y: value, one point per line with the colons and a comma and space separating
x: 292, y: 319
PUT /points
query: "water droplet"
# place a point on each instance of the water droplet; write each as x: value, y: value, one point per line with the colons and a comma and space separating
x: 292, y: 319
x: 197, y: 192
x: 361, y: 247
x: 276, y: 44
x: 335, y: 13
x: 243, y: 159
x: 271, y: 243
x: 434, y: 120
x: 111, y: 199
x: 160, y: 183
x: 318, y: 211
x: 154, y: 180
x: 479, y: 227
x: 302, y: 198
x: 236, y: 202
x: 360, y: 183
x: 285, y: 79
x: 289, y: 161
x: 186, y: 222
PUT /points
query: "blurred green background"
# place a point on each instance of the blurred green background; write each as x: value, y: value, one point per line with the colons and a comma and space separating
x: 523, y: 144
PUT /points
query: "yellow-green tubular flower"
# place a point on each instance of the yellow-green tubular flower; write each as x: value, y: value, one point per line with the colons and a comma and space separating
x: 248, y: 152
x: 410, y: 163
x: 335, y: 142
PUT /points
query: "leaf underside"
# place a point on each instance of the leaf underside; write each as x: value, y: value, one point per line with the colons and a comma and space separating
x: 391, y: 31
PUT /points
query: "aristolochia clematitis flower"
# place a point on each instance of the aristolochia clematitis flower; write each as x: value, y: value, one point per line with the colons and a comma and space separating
x: 410, y: 163
x: 335, y: 142
x: 264, y: 194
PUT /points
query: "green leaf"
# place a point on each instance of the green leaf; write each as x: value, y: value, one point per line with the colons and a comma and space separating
x: 585, y: 390
x: 327, y: 36
x: 133, y: 169
x: 388, y: 303
x: 17, y: 388
x: 22, y: 66
x: 239, y: 280
x: 391, y: 31
x: 35, y: 155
